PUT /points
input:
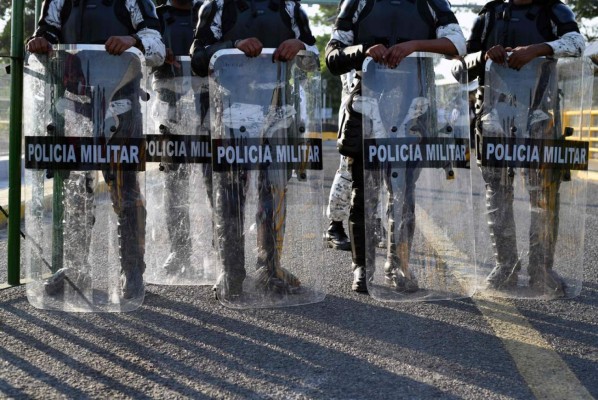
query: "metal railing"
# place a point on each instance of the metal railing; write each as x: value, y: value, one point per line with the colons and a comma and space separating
x: 4, y: 143
x: 587, y: 124
x: 14, y: 143
x: 4, y: 106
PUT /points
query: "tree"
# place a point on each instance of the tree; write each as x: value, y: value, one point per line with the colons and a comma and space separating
x: 325, y: 17
x: 333, y: 83
x: 585, y: 11
x: 28, y: 22
x: 584, y: 8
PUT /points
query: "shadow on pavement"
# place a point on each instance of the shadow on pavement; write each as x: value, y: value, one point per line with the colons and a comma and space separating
x: 341, y: 348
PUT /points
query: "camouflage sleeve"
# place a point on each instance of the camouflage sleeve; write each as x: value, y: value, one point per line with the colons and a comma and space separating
x: 453, y: 33
x: 145, y: 22
x: 49, y: 25
x: 155, y: 51
x: 208, y: 33
x: 571, y: 44
x: 342, y: 54
x: 447, y: 25
x: 300, y: 26
x: 210, y: 21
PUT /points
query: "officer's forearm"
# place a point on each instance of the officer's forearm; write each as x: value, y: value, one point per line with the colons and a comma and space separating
x: 49, y: 33
x: 541, y: 50
x: 439, y: 46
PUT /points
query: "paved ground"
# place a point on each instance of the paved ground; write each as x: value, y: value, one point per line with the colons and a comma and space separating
x: 183, y: 344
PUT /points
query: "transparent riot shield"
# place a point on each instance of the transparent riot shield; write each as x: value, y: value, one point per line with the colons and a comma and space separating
x: 84, y: 160
x: 179, y: 238
x: 532, y: 180
x: 267, y: 179
x: 416, y: 160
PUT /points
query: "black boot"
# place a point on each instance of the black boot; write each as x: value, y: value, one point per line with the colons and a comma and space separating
x: 363, y: 249
x: 229, y: 216
x: 397, y: 274
x: 544, y: 226
x: 131, y: 281
x: 228, y: 288
x: 360, y: 279
x: 79, y: 281
x: 271, y: 277
x: 336, y: 238
x: 131, y: 214
x: 501, y: 222
x: 132, y: 249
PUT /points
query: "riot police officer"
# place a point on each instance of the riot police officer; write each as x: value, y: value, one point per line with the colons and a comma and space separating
x: 340, y: 190
x: 120, y: 25
x: 514, y: 33
x: 387, y: 31
x: 338, y: 207
x: 248, y: 26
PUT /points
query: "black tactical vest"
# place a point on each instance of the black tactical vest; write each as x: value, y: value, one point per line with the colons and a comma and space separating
x: 519, y: 26
x: 93, y: 22
x: 261, y: 21
x: 395, y: 21
x: 178, y: 30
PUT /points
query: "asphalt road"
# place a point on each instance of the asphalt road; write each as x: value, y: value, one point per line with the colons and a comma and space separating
x: 183, y: 344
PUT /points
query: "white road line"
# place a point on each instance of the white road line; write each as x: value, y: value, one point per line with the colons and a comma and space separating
x: 545, y: 372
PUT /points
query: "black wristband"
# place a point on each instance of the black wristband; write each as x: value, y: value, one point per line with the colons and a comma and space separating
x: 138, y: 42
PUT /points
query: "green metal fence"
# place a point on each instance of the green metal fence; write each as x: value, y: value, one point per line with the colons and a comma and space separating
x: 14, y: 143
x: 4, y: 158
x: 4, y: 107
